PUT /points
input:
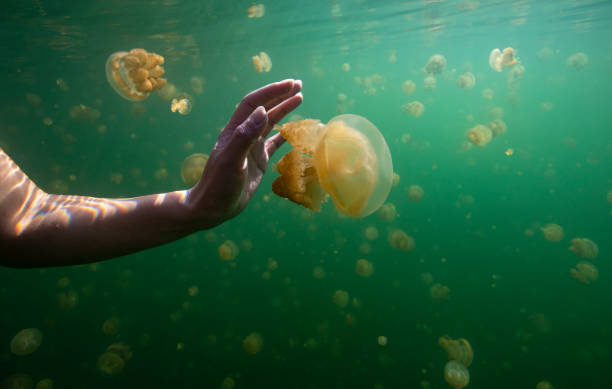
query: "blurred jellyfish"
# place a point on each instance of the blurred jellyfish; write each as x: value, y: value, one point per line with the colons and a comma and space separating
x: 439, y: 292
x: 253, y: 343
x: 256, y: 11
x: 341, y: 298
x: 192, y: 168
x: 584, y: 248
x: 371, y: 233
x: 112, y: 362
x: 456, y: 375
x: 427, y: 278
x: 414, y: 108
x: 515, y: 75
x: 46, y: 383
x: 408, y: 86
x: 364, y: 268
x: 406, y: 138
x: 228, y: 383
x: 435, y: 64
x: 395, y: 181
x: 429, y: 83
x: 318, y: 273
x: 111, y: 326
x: 498, y: 59
x: 415, y: 193
x: 466, y: 81
x: 539, y: 323
x: 387, y: 212
x: 168, y: 91
x: 228, y: 250
x: 480, y: 135
x: 498, y: 127
x: 398, y: 239
x: 17, y: 381
x: 382, y: 340
x: 262, y: 62
x: 546, y: 106
x: 26, y: 341
x: 552, y: 232
x: 181, y: 104
x: 84, y: 113
x: 496, y: 112
x: 346, y: 67
x: 197, y: 84
x: 585, y: 273
x: 577, y: 61
x: 544, y: 385
x: 609, y: 197
x: 135, y: 74
x: 458, y: 350
x: 488, y: 93
x: 545, y: 53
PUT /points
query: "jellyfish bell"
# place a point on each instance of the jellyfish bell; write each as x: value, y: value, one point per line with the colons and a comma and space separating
x: 457, y: 350
x: 192, y: 168
x: 46, y: 383
x: 347, y: 159
x: 456, y: 374
x: 17, y: 381
x: 110, y: 363
x: 480, y: 135
x: 182, y: 104
x: 435, y: 64
x: 253, y: 343
x: 508, y: 58
x: 135, y: 74
x: 26, y: 341
x: 585, y: 273
x: 495, y: 60
x: 584, y: 248
x: 552, y: 232
x: 466, y: 81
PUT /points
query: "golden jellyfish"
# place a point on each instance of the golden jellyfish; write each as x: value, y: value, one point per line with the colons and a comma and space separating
x: 26, y: 341
x: 17, y: 381
x: 544, y: 385
x: 396, y: 180
x: 488, y: 93
x: 111, y: 326
x: 192, y: 168
x: 456, y: 375
x: 480, y: 135
x: 46, y: 383
x: 347, y: 160
x: 262, y: 62
x: 552, y: 232
x: 498, y: 127
x: 439, y: 292
x: 318, y: 272
x: 256, y: 11
x: 398, y: 239
x: 228, y: 250
x: 371, y: 233
x: 112, y: 362
x: 228, y: 383
x: 414, y: 108
x: 382, y: 340
x: 197, y: 84
x: 168, y: 91
x: 584, y: 248
x: 466, y: 81
x: 387, y: 212
x: 415, y: 193
x: 429, y: 83
x: 435, y: 64
x: 182, y: 105
x: 84, y: 113
x: 585, y: 273
x: 578, y: 61
x: 341, y: 298
x: 458, y: 350
x: 364, y: 268
x: 408, y: 86
x: 496, y: 112
x: 253, y: 343
x: 498, y: 59
x: 135, y: 74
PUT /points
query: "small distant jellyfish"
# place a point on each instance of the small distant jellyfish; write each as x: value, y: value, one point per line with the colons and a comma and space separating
x: 197, y: 85
x: 459, y: 350
x: 498, y: 127
x: 546, y: 106
x: 192, y: 168
x: 429, y: 83
x: 435, y: 64
x: 364, y: 268
x: 584, y: 248
x: 396, y: 180
x: 496, y: 112
x: 318, y: 273
x: 414, y: 108
x: 488, y: 93
x: 577, y: 61
x: 498, y: 59
x: 456, y: 375
x: 17, y: 381
x: 84, y: 113
x: 408, y: 87
x: 46, y: 383
x: 111, y: 326
x: 262, y: 62
x: 382, y: 340
x: 387, y: 212
x: 544, y: 385
x: 341, y: 298
x: 398, y: 239
x: 545, y: 53
x: 585, y: 272
x: 480, y: 135
x: 466, y: 81
x: 415, y: 193
x: 256, y: 11
x: 228, y: 250
x: 552, y: 232
x: 371, y: 233
x: 439, y: 292
x: 346, y: 67
x: 135, y: 74
x: 181, y: 105
x: 609, y: 197
x: 253, y: 343
x: 26, y: 341
x: 112, y: 362
x: 168, y: 91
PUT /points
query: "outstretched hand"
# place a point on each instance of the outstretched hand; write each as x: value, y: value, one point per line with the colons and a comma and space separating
x: 240, y: 157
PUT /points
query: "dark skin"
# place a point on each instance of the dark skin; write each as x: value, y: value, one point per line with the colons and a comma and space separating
x: 38, y: 229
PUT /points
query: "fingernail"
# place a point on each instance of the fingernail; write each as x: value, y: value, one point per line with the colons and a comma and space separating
x: 258, y: 116
x: 299, y: 82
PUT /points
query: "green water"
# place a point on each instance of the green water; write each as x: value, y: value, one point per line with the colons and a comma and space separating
x: 511, y: 294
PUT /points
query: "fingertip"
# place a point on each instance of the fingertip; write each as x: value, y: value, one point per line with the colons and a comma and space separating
x: 298, y: 83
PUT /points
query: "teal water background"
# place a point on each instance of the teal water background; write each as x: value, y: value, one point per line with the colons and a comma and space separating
x: 500, y: 278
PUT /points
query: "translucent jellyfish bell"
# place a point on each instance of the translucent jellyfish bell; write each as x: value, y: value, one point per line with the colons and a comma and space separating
x: 26, y: 341
x: 135, y: 74
x: 192, y: 168
x: 456, y: 374
x: 347, y: 159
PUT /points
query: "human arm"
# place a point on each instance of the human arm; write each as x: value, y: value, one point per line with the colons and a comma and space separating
x: 39, y: 229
